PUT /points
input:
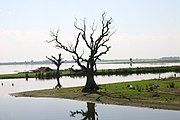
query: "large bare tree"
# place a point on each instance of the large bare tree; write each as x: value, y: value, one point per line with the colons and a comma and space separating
x: 97, y: 46
x: 57, y: 61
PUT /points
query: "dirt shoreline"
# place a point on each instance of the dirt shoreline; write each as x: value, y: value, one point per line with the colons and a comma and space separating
x: 99, y: 97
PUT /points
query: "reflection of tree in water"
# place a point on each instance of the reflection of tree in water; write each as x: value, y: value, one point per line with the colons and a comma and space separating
x: 90, y: 114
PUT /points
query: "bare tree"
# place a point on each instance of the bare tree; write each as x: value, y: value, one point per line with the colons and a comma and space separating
x: 57, y: 61
x: 90, y: 114
x: 96, y: 47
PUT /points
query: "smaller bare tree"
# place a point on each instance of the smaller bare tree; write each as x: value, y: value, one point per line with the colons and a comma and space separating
x: 57, y: 61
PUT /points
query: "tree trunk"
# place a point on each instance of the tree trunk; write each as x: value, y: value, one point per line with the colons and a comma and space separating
x: 58, y: 76
x: 58, y: 83
x: 90, y: 83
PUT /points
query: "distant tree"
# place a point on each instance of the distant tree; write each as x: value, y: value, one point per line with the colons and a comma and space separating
x: 96, y: 47
x: 90, y: 114
x: 57, y: 61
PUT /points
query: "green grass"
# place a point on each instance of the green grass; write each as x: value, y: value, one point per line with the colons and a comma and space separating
x: 120, y: 71
x: 161, y: 96
x: 142, y: 89
x: 18, y: 75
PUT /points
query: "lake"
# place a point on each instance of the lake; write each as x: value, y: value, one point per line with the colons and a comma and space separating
x: 4, y: 69
x: 12, y: 108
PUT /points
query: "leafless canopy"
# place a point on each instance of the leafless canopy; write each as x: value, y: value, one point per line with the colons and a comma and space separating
x: 92, y: 43
x: 56, y: 61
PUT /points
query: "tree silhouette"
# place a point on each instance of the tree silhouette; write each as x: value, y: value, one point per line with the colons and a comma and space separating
x: 57, y: 61
x: 96, y: 48
x: 90, y: 114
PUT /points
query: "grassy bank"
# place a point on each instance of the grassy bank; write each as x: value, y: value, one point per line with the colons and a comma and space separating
x: 156, y: 93
x: 120, y: 71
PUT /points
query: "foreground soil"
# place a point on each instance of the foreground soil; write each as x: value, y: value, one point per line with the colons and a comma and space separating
x: 156, y: 93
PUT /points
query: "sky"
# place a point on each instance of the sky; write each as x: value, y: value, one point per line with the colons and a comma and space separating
x: 144, y: 28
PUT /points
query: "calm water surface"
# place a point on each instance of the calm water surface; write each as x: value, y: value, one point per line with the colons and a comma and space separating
x: 12, y: 108
x: 21, y: 68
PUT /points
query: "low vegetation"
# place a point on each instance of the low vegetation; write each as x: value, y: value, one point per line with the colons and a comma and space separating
x: 155, y: 93
x: 73, y: 73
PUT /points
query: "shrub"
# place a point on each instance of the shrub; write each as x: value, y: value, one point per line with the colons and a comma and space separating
x: 172, y: 85
x: 49, y: 75
x: 155, y: 94
x: 152, y: 87
x: 139, y: 88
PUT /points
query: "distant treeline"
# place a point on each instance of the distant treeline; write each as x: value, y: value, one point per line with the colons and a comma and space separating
x: 122, y: 61
x: 74, y: 73
x: 30, y: 62
x: 126, y: 71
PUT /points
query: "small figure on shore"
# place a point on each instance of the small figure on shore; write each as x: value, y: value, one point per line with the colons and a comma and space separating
x: 2, y: 84
x: 36, y: 76
x: 131, y: 62
x: 26, y: 76
x: 42, y: 75
x: 39, y: 75
x: 12, y: 84
x: 175, y: 75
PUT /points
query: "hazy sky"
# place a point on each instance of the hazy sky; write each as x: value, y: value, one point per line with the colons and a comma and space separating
x: 145, y: 28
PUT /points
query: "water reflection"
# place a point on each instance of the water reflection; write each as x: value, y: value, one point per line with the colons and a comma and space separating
x: 13, y: 108
x: 89, y: 114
